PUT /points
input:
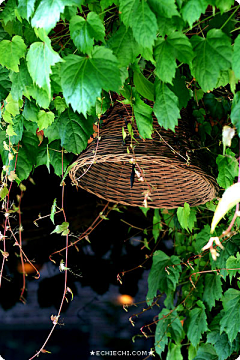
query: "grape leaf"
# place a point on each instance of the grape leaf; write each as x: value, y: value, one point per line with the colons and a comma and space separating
x: 5, y: 83
x: 168, y: 25
x: 174, y: 352
x: 126, y: 10
x: 124, y: 46
x: 11, y: 51
x: 233, y: 262
x: 26, y: 8
x: 20, y: 81
x: 206, y: 352
x: 18, y: 129
x: 235, y: 117
x: 224, y: 5
x: 166, y: 106
x: 212, y: 289
x: 53, y: 131
x: 168, y: 323
x: 220, y: 342
x: 186, y: 217
x: 230, y: 322
x: 144, y: 25
x: 106, y: 3
x: 180, y: 90
x: 236, y: 56
x: 8, y: 13
x: 30, y: 111
x: 52, y: 153
x: 227, y: 169
x: 197, y: 323
x: 41, y: 95
x: 143, y: 116
x: 26, y: 155
x: 48, y: 13
x: 45, y: 119
x: 157, y: 226
x: 53, y: 210
x: 212, y: 54
x: 143, y: 86
x: 175, y: 46
x: 59, y: 104
x: 192, y: 10
x: 83, y: 78
x: 165, y: 8
x: 40, y: 58
x: 163, y: 276
x: 83, y: 32
x: 75, y: 131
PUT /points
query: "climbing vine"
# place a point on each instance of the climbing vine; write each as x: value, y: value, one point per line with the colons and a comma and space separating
x: 62, y: 65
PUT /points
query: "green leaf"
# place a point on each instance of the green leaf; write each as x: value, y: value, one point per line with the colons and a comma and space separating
x: 30, y: 111
x: 180, y: 90
x: 163, y: 276
x: 224, y: 5
x: 8, y: 13
x: 230, y: 322
x: 235, y: 117
x: 124, y: 46
x: 144, y: 25
x: 18, y: 129
x: 227, y: 168
x: 106, y: 3
x: 213, y: 105
x: 143, y: 86
x: 236, y: 56
x: 40, y: 58
x: 144, y: 210
x: 168, y: 25
x: 220, y: 342
x: 165, y: 8
x: 12, y: 106
x: 212, y: 55
x: 192, y: 10
x: 174, y: 352
x: 52, y: 154
x: 5, y: 83
x: 75, y: 131
x: 26, y: 8
x: 168, y: 326
x: 197, y: 324
x: 83, y: 32
x: 143, y: 116
x: 59, y: 104
x: 157, y: 226
x: 206, y: 352
x: 48, y: 13
x: 84, y: 78
x: 53, y: 131
x: 45, y: 119
x: 26, y: 155
x: 61, y: 229
x: 186, y: 217
x: 20, y: 81
x: 212, y: 289
x: 126, y: 10
x: 176, y: 46
x: 166, y: 106
x: 11, y: 51
x: 3, y: 192
x: 41, y: 95
x: 53, y: 210
x: 233, y: 262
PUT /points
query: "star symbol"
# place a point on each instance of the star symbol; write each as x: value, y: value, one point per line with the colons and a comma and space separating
x: 150, y: 353
x: 92, y: 352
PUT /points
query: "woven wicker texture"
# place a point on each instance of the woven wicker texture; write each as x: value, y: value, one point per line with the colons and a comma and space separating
x: 166, y: 173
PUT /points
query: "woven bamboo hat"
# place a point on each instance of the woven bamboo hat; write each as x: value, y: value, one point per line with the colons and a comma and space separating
x: 162, y: 172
